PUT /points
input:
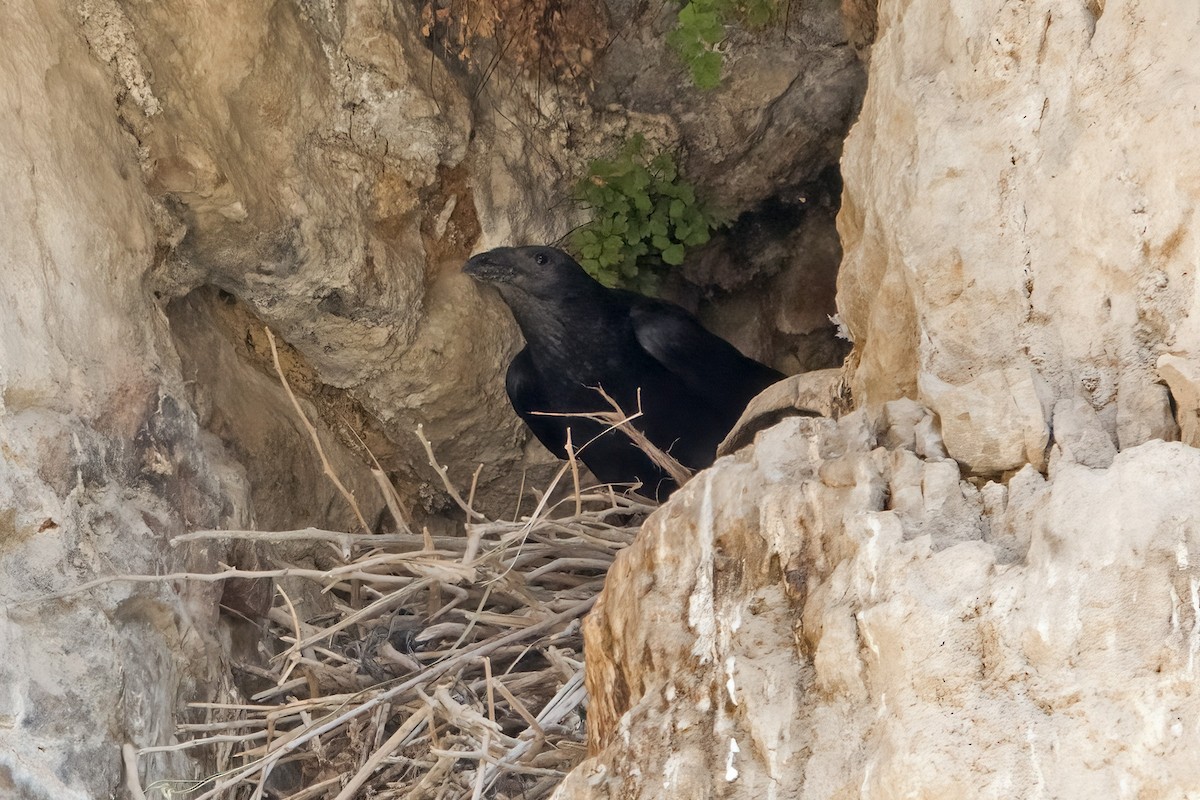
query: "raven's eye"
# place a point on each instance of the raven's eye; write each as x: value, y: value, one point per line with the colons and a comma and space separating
x: 541, y: 259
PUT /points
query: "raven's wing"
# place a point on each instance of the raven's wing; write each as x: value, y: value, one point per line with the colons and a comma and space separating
x: 610, y: 455
x: 527, y: 395
x: 710, y: 367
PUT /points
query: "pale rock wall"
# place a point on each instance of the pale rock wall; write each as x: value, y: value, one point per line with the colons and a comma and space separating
x: 821, y: 616
x: 101, y: 458
x: 1020, y: 216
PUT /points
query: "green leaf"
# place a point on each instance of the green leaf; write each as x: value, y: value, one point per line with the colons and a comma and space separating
x: 673, y: 255
x: 706, y: 70
x: 708, y: 27
x: 697, y: 237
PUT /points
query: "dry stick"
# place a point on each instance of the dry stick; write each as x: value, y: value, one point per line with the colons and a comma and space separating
x: 288, y: 743
x: 385, y: 485
x: 190, y: 743
x: 574, y: 473
x: 486, y: 743
x: 204, y: 577
x: 378, y: 607
x: 132, y: 782
x: 316, y: 790
x: 326, y: 467
x: 617, y: 419
x: 294, y: 650
x: 390, y: 497
x: 549, y: 715
x: 441, y: 471
x: 517, y: 706
x: 410, y: 725
x: 345, y: 540
x: 545, y: 542
x: 474, y: 486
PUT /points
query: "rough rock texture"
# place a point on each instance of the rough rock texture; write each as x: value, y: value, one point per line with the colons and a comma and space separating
x: 1019, y: 224
x: 331, y: 169
x: 764, y: 146
x: 822, y: 617
x: 180, y: 175
x: 774, y: 122
x: 102, y: 458
x: 313, y: 156
x: 982, y: 583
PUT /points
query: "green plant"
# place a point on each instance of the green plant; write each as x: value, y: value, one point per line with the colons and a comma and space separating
x: 701, y: 27
x: 644, y: 217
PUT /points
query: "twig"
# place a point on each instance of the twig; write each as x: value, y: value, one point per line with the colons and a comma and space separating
x: 377, y: 758
x: 132, y: 782
x: 443, y: 474
x: 432, y: 672
x: 326, y: 467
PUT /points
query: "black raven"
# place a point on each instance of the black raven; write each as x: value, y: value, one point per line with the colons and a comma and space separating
x: 581, y: 335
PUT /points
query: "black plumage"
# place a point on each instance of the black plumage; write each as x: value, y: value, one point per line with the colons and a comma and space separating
x: 581, y: 335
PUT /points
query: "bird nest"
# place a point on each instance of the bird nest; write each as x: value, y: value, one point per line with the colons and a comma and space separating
x: 448, y: 667
x: 445, y: 667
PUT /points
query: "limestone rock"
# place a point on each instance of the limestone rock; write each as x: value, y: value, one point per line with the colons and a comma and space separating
x: 1079, y: 433
x: 817, y: 393
x: 993, y: 422
x: 1006, y: 214
x: 1183, y: 377
x: 879, y: 638
x: 1144, y: 413
x: 103, y: 458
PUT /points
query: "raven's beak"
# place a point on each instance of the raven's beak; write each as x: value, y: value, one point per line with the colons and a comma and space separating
x: 489, y: 267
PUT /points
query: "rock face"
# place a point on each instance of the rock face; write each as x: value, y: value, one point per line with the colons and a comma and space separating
x: 983, y: 582
x: 822, y: 617
x: 103, y: 459
x: 331, y: 169
x: 1013, y: 233
x: 181, y: 175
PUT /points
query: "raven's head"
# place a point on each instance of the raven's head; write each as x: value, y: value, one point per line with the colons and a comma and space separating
x: 544, y: 287
x: 526, y: 270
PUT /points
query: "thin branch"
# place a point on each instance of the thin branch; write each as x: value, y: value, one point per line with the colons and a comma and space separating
x: 326, y: 467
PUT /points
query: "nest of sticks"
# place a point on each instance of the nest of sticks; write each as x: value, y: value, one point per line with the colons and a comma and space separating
x: 445, y: 667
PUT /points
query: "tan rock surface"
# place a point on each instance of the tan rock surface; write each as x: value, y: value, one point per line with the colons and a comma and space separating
x: 1017, y: 206
x: 817, y: 617
x: 102, y: 457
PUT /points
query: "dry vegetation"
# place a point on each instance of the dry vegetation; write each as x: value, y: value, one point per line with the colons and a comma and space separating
x: 442, y: 667
x: 448, y: 667
x: 559, y: 38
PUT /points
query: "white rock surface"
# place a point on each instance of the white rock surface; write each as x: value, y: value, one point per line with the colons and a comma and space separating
x: 101, y: 459
x: 864, y: 623
x: 1018, y: 210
